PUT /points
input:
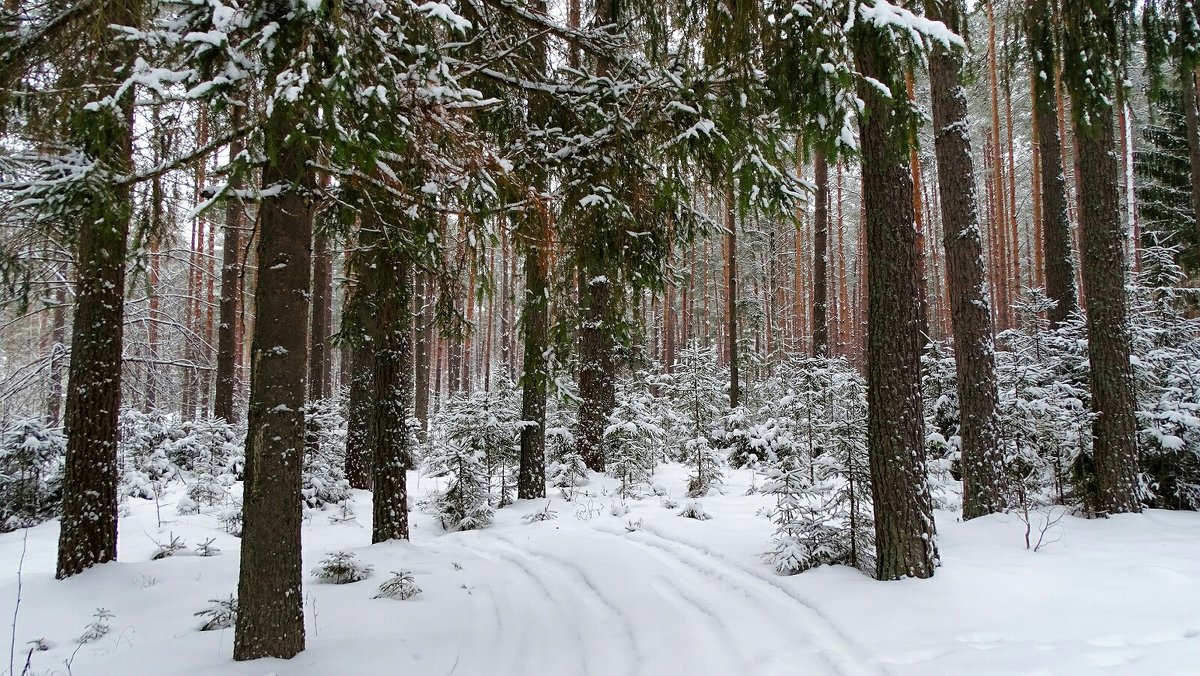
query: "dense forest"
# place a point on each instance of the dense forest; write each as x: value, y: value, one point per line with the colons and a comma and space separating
x: 878, y: 259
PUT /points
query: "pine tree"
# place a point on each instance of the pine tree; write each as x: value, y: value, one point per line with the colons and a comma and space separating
x: 1092, y: 51
x: 981, y: 461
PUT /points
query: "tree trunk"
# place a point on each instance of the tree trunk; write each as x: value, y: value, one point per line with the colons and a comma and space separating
x: 534, y: 239
x: 88, y: 534
x: 231, y: 273
x: 422, y: 337
x: 596, y: 378
x: 319, y: 356
x: 820, y: 322
x: 1191, y: 114
x: 904, y: 528
x: 731, y: 291
x: 270, y: 619
x: 1059, y: 271
x: 358, y: 321
x: 392, y: 394
x: 1090, y: 76
x: 975, y: 363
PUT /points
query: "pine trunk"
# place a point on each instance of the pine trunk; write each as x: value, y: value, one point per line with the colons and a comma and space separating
x: 904, y: 529
x: 974, y: 360
x: 88, y: 534
x: 231, y: 273
x: 820, y: 320
x: 391, y: 443
x: 1090, y: 75
x: 270, y: 618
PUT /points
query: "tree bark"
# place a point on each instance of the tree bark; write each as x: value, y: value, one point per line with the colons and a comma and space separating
x: 392, y: 393
x: 904, y: 528
x: 731, y: 293
x: 270, y: 618
x: 1059, y: 269
x: 974, y: 360
x: 88, y: 534
x: 820, y: 321
x: 1191, y: 114
x: 597, y: 390
x: 358, y: 321
x: 319, y: 356
x: 231, y: 274
x: 1114, y: 429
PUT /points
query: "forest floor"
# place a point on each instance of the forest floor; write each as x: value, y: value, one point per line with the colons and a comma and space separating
x: 646, y: 592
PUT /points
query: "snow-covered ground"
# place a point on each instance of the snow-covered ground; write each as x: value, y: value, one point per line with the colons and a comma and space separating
x: 646, y: 592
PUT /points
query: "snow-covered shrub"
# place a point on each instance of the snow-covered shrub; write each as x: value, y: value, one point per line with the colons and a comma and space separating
x: 230, y: 519
x: 324, y: 481
x: 706, y: 467
x: 939, y: 388
x: 1044, y: 410
x: 342, y: 568
x: 698, y: 397
x: 31, y: 466
x: 565, y: 467
x: 544, y: 514
x: 632, y: 439
x: 168, y: 548
x: 487, y: 424
x: 694, y: 510
x: 400, y: 586
x: 463, y: 503
x: 1167, y: 371
x: 207, y: 454
x: 206, y: 548
x: 142, y: 451
x: 222, y: 614
x: 98, y: 628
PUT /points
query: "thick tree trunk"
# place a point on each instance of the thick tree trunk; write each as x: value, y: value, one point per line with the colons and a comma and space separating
x: 974, y: 360
x: 358, y: 320
x: 596, y: 378
x: 270, y: 619
x: 88, y: 534
x: 820, y: 321
x: 392, y: 390
x: 534, y: 240
x: 231, y: 291
x: 1114, y: 431
x: 1059, y: 271
x: 904, y: 528
x: 1090, y: 75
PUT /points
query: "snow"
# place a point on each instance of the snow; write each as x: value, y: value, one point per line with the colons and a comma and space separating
x: 647, y: 592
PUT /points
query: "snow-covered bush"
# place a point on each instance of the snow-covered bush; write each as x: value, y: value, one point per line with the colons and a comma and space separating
x: 632, y: 439
x: 31, y: 466
x: 485, y: 424
x: 400, y: 586
x: 142, y: 451
x: 463, y: 503
x: 1167, y: 371
x: 698, y: 397
x: 706, y: 465
x: 939, y: 387
x: 1044, y: 410
x: 342, y: 568
x: 694, y: 510
x: 222, y: 614
x: 324, y: 481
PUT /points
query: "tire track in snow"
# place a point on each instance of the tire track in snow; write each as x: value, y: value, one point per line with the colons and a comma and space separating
x: 838, y: 650
x: 580, y: 585
x: 517, y: 560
